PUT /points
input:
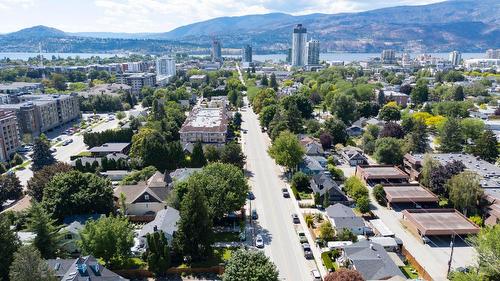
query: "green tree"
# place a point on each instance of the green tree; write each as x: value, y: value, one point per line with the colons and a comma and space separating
x: 487, y: 245
x: 420, y: 93
x: 250, y: 265
x: 17, y: 159
x: 58, y: 82
x: 224, y: 185
x: 326, y: 231
x: 28, y: 265
x: 379, y: 194
x: 109, y: 238
x: 194, y: 233
x: 266, y: 115
x: 37, y: 183
x: 355, y: 188
x: 428, y: 165
x: 198, y: 159
x: 388, y: 151
x: 10, y: 188
x: 120, y: 115
x: 389, y: 113
x: 363, y: 204
x: 158, y: 254
x: 41, y: 155
x: 264, y: 81
x: 472, y: 128
x: 3, y: 169
x: 212, y: 153
x: 344, y: 107
x: 417, y: 141
x: 300, y: 181
x: 75, y: 193
x: 286, y: 150
x: 451, y: 137
x: 465, y: 191
x: 466, y: 276
x: 337, y: 130
x: 486, y: 146
x: 231, y: 154
x: 9, y: 243
x: 458, y: 93
x: 272, y: 82
x: 48, y: 236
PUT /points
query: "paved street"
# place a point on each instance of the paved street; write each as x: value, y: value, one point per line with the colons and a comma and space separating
x: 274, y: 223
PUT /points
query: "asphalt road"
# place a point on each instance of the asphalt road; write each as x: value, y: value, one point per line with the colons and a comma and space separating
x: 274, y: 222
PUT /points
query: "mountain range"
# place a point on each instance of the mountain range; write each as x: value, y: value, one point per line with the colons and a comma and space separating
x: 465, y: 25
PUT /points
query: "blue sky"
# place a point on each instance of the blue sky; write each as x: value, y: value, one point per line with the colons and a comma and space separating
x: 161, y: 15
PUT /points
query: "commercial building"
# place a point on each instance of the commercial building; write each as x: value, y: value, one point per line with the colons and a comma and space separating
x: 37, y: 114
x: 409, y: 193
x: 165, y: 66
x: 455, y: 58
x: 313, y: 52
x: 216, y: 50
x: 137, y: 81
x: 493, y: 54
x: 388, y: 57
x: 398, y: 97
x: 205, y: 125
x: 299, y: 48
x: 246, y: 54
x: 384, y: 174
x: 425, y: 222
x: 9, y: 135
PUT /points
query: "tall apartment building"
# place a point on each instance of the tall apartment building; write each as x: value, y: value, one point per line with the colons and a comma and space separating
x: 388, y: 57
x: 165, y: 66
x: 493, y: 54
x: 9, y: 135
x: 313, y: 52
x: 216, y: 50
x: 137, y: 81
x: 299, y: 48
x: 246, y: 54
x: 20, y: 87
x: 37, y: 114
x: 455, y: 58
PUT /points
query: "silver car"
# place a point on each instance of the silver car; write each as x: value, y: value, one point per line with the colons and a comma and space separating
x: 259, y: 242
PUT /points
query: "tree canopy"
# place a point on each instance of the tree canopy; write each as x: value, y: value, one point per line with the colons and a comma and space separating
x: 250, y: 265
x: 286, y: 150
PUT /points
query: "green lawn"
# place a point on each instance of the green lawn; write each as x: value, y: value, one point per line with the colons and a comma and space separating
x: 220, y: 255
x: 305, y: 195
x: 407, y: 271
x: 329, y: 260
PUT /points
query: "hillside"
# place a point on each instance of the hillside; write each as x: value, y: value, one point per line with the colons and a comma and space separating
x: 465, y: 25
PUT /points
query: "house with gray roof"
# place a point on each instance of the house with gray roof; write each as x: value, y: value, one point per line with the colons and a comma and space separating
x: 82, y: 269
x: 311, y: 166
x: 110, y: 148
x: 322, y: 183
x: 343, y: 217
x: 165, y: 221
x: 371, y: 260
x: 353, y: 155
x: 180, y: 174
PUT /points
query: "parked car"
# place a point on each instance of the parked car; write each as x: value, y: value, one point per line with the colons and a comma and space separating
x: 259, y: 242
x: 315, y: 274
x: 307, y: 251
x: 302, y: 237
x: 66, y: 142
x: 250, y: 196
x: 285, y: 192
x: 254, y: 214
x: 295, y: 218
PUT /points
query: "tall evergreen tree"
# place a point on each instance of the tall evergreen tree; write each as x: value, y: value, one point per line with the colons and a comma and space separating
x: 264, y: 81
x: 48, y: 236
x: 42, y: 156
x: 158, y: 254
x: 28, y: 265
x: 451, y: 136
x: 198, y: 157
x: 486, y: 146
x: 194, y: 233
x: 272, y: 82
x: 417, y: 141
x: 9, y: 243
x: 10, y: 187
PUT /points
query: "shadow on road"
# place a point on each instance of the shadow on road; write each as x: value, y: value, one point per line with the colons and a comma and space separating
x: 266, y: 235
x: 444, y: 242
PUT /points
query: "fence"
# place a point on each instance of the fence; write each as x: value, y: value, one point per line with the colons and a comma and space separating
x: 416, y: 265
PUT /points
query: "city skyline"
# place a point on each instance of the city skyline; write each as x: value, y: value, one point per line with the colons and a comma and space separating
x: 160, y: 16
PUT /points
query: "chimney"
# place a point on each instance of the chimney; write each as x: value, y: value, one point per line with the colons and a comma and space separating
x: 371, y: 246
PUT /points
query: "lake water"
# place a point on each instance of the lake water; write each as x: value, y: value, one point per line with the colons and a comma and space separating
x: 347, y: 57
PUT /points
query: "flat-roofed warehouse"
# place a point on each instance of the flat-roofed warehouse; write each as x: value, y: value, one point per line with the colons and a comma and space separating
x: 409, y: 193
x: 426, y: 222
x: 373, y: 174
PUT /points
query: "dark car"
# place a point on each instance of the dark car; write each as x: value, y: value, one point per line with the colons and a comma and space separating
x: 295, y: 218
x: 307, y: 251
x: 250, y: 196
x: 254, y: 214
x: 285, y: 192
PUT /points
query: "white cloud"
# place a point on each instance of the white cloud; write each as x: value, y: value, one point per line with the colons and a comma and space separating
x: 11, y: 4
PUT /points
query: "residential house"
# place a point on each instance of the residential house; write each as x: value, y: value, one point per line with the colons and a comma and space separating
x: 145, y: 198
x: 371, y: 260
x: 322, y: 183
x: 353, y: 155
x: 343, y: 217
x: 165, y: 221
x: 355, y: 131
x: 82, y: 268
x: 180, y: 175
x: 312, y: 146
x: 311, y: 166
x: 73, y: 225
x: 110, y: 148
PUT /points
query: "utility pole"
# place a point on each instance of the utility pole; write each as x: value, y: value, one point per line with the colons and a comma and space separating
x: 452, y: 245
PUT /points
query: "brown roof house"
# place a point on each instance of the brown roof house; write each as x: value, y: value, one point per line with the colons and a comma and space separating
x: 145, y: 198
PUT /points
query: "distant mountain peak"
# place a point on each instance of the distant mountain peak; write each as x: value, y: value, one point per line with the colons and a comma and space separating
x: 39, y: 31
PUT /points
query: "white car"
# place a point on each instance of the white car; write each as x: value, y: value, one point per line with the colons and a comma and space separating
x: 259, y: 242
x: 315, y: 274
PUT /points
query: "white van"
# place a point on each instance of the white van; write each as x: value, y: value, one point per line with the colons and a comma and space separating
x: 315, y: 274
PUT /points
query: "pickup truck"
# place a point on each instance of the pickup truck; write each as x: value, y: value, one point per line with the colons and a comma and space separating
x: 302, y: 237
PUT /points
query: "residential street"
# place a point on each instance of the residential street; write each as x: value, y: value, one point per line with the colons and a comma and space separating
x: 274, y: 222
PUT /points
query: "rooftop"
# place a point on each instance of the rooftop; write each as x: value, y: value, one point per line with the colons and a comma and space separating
x: 110, y: 147
x: 206, y: 119
x: 381, y: 172
x: 165, y: 220
x: 409, y: 193
x: 439, y: 222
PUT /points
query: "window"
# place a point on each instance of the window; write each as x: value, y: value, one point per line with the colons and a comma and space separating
x: 146, y: 197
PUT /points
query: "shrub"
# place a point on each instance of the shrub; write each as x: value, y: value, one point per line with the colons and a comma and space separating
x: 363, y: 204
x: 355, y: 188
x: 379, y: 193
